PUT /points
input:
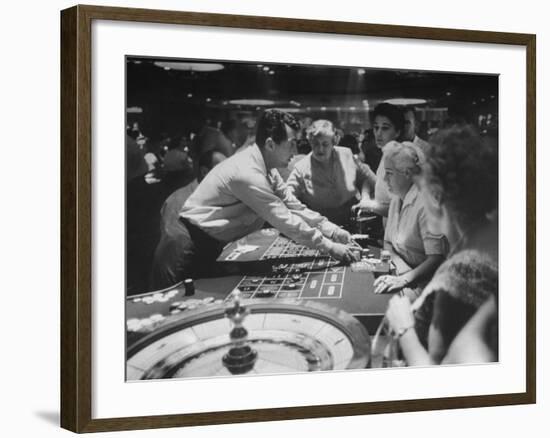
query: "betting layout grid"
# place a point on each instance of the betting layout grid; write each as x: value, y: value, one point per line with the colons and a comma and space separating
x: 319, y: 277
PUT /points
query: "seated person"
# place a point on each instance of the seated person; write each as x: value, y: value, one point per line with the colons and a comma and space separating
x: 178, y: 167
x: 170, y: 255
x: 407, y: 234
x: 387, y: 122
x: 210, y: 138
x: 245, y: 191
x: 459, y: 189
x: 459, y: 287
x: 330, y: 180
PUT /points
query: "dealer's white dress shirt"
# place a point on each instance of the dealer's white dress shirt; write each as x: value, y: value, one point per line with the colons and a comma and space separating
x: 239, y: 195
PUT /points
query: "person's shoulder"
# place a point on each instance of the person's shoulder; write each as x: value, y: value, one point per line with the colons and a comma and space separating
x: 244, y: 167
x: 181, y: 194
x: 469, y: 275
x: 343, y: 151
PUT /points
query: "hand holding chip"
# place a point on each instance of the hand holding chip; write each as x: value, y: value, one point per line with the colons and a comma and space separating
x: 342, y: 253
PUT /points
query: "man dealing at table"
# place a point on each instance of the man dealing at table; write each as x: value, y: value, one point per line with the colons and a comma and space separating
x: 242, y: 193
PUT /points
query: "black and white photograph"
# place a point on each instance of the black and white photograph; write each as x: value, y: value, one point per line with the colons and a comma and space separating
x: 290, y: 218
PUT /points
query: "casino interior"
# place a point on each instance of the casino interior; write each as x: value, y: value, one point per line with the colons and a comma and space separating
x: 270, y: 304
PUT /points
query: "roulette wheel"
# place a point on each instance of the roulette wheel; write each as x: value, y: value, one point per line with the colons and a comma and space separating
x: 250, y: 337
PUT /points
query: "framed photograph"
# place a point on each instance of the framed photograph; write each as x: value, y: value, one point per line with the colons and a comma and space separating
x: 273, y: 323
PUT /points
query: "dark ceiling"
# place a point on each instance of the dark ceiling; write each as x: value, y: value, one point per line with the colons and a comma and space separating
x: 309, y: 87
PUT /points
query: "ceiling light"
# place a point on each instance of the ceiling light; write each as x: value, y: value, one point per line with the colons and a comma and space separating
x: 361, y: 71
x: 405, y: 101
x: 134, y: 110
x: 189, y: 66
x: 289, y: 110
x: 252, y: 102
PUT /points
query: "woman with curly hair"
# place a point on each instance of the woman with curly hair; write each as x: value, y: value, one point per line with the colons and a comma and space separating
x: 459, y: 187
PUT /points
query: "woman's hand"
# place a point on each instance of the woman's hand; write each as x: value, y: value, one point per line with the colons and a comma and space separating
x: 389, y: 283
x: 399, y: 314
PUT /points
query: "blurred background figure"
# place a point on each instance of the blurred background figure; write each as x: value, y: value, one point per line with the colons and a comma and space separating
x: 410, y: 128
x: 170, y: 255
x: 350, y: 141
x: 178, y: 168
x: 143, y: 200
x: 371, y: 153
x: 210, y: 138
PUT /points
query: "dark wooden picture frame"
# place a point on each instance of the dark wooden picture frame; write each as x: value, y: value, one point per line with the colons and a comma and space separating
x: 76, y: 217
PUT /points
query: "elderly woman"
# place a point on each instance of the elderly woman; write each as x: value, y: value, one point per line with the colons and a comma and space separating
x: 407, y: 233
x: 387, y: 124
x: 329, y: 179
x: 459, y: 189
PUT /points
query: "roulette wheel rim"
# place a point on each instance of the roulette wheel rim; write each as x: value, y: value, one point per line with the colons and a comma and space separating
x: 356, y: 335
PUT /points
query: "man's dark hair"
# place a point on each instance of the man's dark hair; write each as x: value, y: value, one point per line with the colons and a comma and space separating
x: 392, y: 112
x: 271, y: 124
